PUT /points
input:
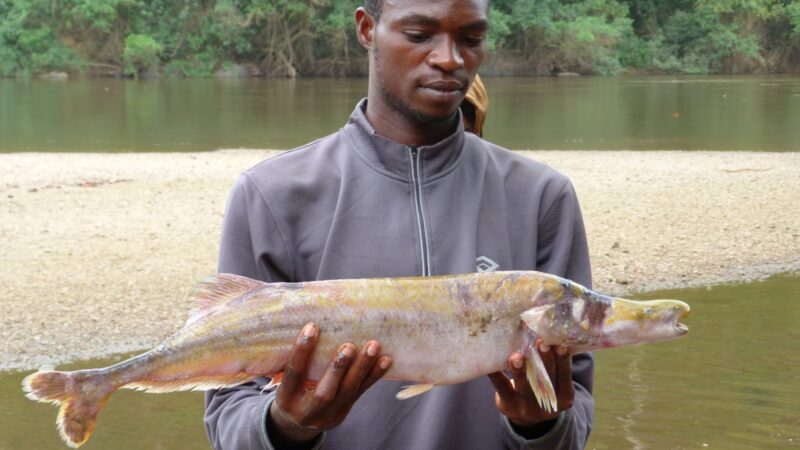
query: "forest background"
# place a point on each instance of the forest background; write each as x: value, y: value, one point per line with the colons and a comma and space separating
x: 288, y: 38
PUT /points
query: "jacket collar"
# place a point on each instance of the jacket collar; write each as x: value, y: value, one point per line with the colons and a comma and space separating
x: 393, y: 159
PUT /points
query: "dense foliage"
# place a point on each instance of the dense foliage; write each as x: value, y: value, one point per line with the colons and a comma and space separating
x: 316, y: 37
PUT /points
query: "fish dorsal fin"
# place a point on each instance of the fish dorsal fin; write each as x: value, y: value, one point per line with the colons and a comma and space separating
x: 218, y: 290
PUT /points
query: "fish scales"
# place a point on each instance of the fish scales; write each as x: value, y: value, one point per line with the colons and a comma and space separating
x: 415, y: 319
x: 438, y: 330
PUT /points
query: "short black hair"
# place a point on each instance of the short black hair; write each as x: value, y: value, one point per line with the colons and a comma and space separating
x: 374, y: 8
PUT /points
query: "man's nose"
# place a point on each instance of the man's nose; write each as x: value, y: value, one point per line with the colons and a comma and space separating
x: 446, y: 55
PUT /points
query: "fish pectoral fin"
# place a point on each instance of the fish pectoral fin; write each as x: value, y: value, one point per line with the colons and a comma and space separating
x: 539, y: 380
x: 413, y: 390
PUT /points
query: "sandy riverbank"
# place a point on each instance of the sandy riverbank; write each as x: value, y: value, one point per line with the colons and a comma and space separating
x: 99, y: 251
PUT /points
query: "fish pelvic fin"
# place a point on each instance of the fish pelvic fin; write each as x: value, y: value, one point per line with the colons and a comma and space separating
x: 274, y: 382
x: 81, y: 397
x: 277, y: 379
x: 218, y: 290
x: 539, y: 379
x: 413, y: 391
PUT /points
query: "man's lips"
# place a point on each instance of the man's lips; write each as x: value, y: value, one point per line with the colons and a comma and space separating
x: 444, y: 90
x: 444, y: 85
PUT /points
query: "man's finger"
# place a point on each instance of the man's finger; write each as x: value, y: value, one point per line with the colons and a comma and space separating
x: 379, y: 369
x: 294, y: 374
x: 565, y: 390
x: 328, y: 385
x: 360, y: 369
x: 516, y: 364
x: 548, y: 355
x: 503, y: 386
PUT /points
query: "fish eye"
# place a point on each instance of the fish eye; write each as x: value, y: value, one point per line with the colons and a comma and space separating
x: 648, y: 310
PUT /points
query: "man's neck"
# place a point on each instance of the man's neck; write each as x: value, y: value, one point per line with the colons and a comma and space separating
x: 398, y: 128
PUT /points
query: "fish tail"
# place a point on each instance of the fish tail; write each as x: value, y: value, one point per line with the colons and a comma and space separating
x: 80, y: 394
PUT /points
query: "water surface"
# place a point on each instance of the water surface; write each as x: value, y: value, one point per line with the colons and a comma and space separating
x: 640, y: 113
x: 732, y: 383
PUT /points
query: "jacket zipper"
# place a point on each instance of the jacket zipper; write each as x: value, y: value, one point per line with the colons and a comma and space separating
x: 413, y: 153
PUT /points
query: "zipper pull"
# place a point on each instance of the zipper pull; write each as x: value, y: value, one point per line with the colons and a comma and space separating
x: 413, y: 149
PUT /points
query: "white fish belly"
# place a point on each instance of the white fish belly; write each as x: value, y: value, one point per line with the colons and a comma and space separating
x: 435, y: 353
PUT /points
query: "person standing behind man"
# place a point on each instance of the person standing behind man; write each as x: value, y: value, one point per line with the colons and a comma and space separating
x: 402, y: 190
x: 475, y: 107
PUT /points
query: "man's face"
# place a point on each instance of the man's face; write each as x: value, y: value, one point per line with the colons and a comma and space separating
x: 425, y: 54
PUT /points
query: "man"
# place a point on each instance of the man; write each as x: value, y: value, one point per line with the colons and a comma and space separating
x: 401, y: 190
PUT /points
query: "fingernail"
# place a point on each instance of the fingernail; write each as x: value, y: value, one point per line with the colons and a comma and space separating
x: 561, y: 351
x: 544, y: 348
x: 385, y: 363
x: 372, y: 349
x: 347, y: 351
x: 305, y: 336
x: 517, y: 363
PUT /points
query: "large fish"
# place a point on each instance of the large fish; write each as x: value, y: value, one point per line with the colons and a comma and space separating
x: 438, y: 330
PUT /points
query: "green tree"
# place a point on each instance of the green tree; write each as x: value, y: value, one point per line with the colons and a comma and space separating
x: 580, y: 36
x: 28, y: 44
x: 140, y: 54
x: 317, y: 37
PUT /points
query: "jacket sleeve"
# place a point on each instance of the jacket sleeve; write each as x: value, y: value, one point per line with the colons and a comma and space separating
x: 563, y: 251
x: 252, y: 246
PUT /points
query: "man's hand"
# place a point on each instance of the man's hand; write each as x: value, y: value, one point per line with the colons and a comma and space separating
x: 515, y: 398
x: 298, y: 415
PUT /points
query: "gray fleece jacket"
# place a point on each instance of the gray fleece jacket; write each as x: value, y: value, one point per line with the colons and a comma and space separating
x: 356, y: 205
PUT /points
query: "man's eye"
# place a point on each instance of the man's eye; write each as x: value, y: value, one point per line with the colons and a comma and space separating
x: 416, y: 36
x: 473, y: 41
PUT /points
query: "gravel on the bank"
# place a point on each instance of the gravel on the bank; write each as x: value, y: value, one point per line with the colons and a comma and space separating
x: 99, y: 251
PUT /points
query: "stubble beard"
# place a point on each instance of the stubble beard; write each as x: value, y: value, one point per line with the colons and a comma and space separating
x: 403, y: 108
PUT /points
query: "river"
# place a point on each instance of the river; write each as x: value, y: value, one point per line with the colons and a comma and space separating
x: 639, y: 113
x: 732, y: 383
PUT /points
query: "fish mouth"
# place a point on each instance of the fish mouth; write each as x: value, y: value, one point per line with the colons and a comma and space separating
x: 683, y: 312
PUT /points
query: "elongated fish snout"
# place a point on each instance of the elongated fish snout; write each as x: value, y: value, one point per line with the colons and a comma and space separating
x: 667, y: 313
x: 632, y: 322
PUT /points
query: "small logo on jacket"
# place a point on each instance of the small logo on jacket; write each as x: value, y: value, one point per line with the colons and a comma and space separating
x: 485, y: 264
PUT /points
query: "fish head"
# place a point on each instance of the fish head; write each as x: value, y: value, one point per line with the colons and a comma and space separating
x: 586, y: 320
x: 634, y: 322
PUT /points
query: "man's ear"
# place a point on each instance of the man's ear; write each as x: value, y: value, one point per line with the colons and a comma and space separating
x: 365, y: 28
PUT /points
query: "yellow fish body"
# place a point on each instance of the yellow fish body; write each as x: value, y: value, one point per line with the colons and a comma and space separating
x: 438, y: 330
